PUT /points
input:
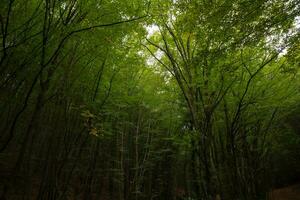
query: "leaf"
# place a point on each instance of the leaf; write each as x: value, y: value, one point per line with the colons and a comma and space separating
x: 94, y: 131
x: 87, y: 114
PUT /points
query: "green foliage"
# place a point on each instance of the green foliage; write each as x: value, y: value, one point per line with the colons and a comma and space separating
x: 138, y: 99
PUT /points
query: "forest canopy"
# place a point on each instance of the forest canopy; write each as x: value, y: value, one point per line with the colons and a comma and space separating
x: 149, y: 99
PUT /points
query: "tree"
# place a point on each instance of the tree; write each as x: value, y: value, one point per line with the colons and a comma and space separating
x: 219, y: 59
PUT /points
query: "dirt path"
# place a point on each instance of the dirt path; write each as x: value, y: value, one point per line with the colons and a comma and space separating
x: 287, y: 193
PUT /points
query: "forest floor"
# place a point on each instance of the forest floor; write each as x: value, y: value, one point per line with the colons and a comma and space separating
x: 287, y: 193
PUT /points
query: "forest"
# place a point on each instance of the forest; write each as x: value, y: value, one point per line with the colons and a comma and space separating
x: 149, y: 99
